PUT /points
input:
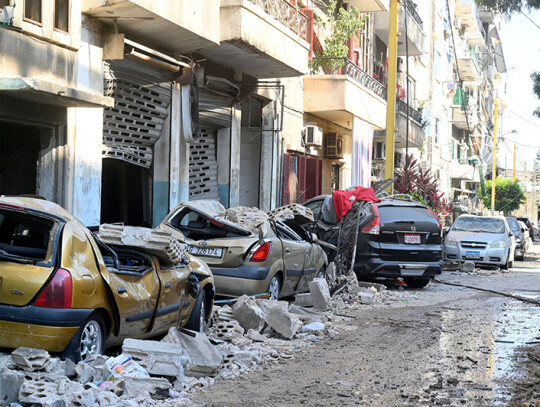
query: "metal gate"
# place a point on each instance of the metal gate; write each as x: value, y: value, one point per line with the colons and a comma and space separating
x: 134, y: 124
x: 203, y: 182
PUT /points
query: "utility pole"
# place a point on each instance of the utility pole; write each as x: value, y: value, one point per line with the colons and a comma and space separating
x: 526, y: 198
x: 514, y: 177
x: 494, y: 172
x: 391, y: 93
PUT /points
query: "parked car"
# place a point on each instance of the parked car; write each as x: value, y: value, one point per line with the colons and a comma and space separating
x: 521, y: 236
x: 275, y: 257
x: 533, y: 230
x: 64, y: 290
x: 398, y: 237
x: 485, y: 240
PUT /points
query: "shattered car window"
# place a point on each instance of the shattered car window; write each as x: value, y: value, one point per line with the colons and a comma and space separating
x: 479, y: 224
x: 199, y: 227
x: 25, y: 236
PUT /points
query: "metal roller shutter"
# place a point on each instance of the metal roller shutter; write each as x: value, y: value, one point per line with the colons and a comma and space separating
x: 203, y: 167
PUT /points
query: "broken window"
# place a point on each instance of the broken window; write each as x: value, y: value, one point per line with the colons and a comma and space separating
x: 24, y: 236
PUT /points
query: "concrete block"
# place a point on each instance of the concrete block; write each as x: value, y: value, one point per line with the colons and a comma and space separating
x: 222, y: 314
x: 85, y: 372
x: 303, y: 300
x: 306, y: 315
x: 134, y: 387
x: 248, y: 314
x: 48, y: 392
x: 30, y: 359
x: 248, y: 218
x: 468, y: 267
x: 157, y: 358
x: 267, y: 305
x: 159, y: 242
x: 283, y: 322
x: 70, y: 368
x: 10, y: 384
x: 256, y: 336
x: 203, y: 358
x: 320, y: 294
x: 301, y: 214
x: 367, y: 297
x: 228, y: 330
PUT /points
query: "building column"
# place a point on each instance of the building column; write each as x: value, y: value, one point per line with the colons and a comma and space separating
x: 179, y: 150
x: 224, y: 164
x: 85, y: 138
x: 268, y: 176
x: 235, y: 143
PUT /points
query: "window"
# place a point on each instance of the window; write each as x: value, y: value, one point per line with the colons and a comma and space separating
x: 437, y: 124
x: 32, y: 10
x: 61, y: 15
x: 379, y: 151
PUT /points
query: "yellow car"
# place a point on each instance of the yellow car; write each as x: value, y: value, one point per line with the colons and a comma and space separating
x: 63, y: 290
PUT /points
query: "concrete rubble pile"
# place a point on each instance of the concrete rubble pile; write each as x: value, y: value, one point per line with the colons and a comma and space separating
x: 243, y: 335
x: 299, y: 213
x: 248, y: 218
x: 160, y: 243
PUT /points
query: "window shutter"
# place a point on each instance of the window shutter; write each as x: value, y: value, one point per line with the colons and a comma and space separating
x: 313, y: 177
x: 286, y: 175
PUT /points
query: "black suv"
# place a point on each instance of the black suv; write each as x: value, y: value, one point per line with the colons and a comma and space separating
x: 397, y: 237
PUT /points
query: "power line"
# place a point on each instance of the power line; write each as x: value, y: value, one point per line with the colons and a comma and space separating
x: 523, y: 118
x: 529, y: 18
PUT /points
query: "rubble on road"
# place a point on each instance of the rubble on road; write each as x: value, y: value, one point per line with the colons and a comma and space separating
x: 243, y: 335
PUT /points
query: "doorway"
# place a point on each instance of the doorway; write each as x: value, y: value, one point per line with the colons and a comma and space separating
x: 126, y: 193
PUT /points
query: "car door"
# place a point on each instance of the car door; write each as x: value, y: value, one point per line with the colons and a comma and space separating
x: 135, y: 286
x: 174, y: 297
x: 294, y: 253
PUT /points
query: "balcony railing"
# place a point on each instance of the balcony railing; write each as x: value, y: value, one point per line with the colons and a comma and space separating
x: 412, y: 8
x: 414, y: 114
x: 344, y: 66
x: 287, y: 14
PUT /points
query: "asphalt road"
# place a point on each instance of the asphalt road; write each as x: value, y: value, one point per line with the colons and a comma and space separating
x: 441, y: 345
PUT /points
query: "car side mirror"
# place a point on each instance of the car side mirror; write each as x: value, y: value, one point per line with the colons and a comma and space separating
x: 445, y: 231
x: 510, y: 234
x: 314, y: 238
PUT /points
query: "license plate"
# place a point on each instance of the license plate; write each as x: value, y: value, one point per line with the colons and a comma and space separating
x: 473, y: 255
x: 412, y: 238
x: 205, y: 251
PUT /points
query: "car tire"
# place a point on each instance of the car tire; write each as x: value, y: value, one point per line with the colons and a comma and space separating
x: 511, y: 263
x: 89, y: 341
x: 506, y: 266
x: 274, y: 288
x: 197, y: 319
x: 416, y: 282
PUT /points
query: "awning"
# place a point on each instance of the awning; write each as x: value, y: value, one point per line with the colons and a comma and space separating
x: 49, y: 93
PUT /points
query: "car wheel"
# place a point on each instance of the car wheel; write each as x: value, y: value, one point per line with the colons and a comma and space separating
x: 197, y: 319
x: 511, y: 263
x: 274, y: 288
x: 88, y: 342
x: 416, y: 282
x: 507, y: 264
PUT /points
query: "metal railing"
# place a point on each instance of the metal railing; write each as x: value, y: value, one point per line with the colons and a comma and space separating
x: 287, y: 14
x: 401, y: 106
x: 344, y: 66
x: 412, y: 9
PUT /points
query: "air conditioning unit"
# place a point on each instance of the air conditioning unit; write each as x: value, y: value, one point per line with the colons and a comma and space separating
x: 457, y: 23
x: 6, y: 15
x: 313, y: 136
x: 333, y: 146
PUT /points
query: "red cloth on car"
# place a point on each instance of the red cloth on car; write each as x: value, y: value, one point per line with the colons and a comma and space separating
x: 343, y: 200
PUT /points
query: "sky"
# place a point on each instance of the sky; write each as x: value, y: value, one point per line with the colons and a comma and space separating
x: 521, y: 46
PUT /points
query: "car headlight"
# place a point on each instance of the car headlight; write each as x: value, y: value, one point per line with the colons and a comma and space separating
x: 498, y: 244
x: 451, y: 242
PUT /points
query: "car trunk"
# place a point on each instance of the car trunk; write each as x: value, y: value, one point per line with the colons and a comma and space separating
x: 227, y: 252
x: 408, y: 233
x: 27, y: 253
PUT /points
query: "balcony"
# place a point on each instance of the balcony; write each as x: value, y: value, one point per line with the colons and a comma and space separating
x: 468, y: 65
x: 167, y: 25
x: 414, y: 30
x: 342, y: 92
x: 467, y: 12
x: 262, y: 38
x: 461, y: 169
x: 368, y: 6
x: 416, y: 129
